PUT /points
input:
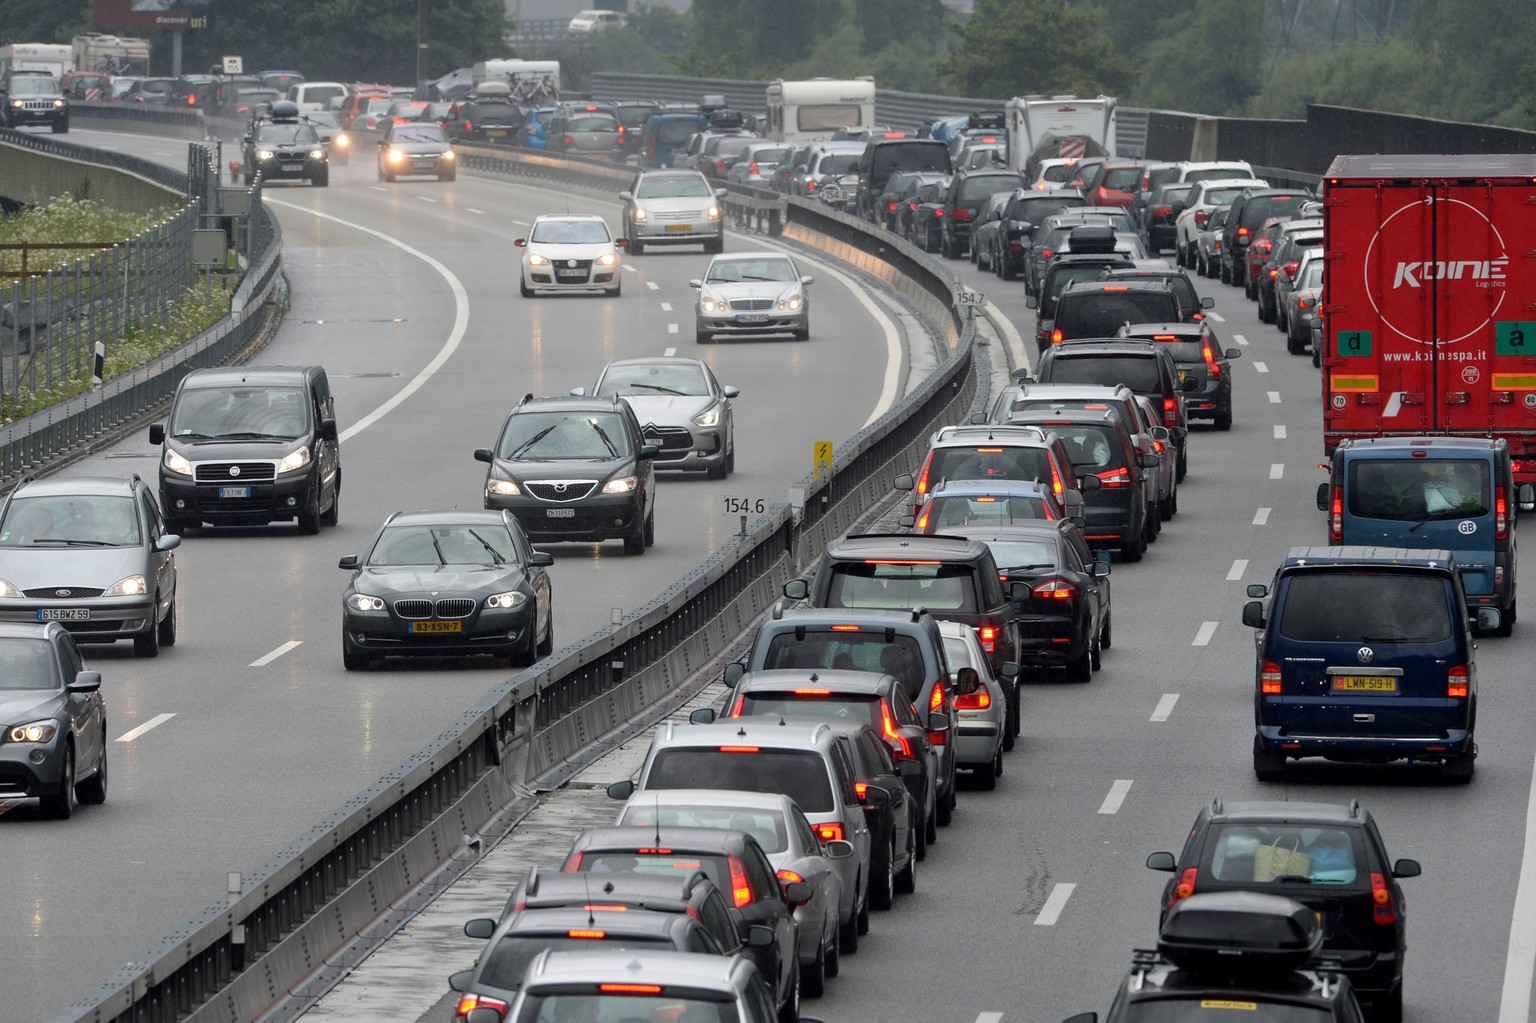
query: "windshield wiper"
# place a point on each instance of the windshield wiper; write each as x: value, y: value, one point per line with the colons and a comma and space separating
x: 251, y: 435
x: 1385, y: 639
x: 495, y: 555
x: 1292, y: 879
x: 658, y: 387
x: 612, y: 451
x: 442, y: 562
x: 192, y: 436
x: 531, y: 441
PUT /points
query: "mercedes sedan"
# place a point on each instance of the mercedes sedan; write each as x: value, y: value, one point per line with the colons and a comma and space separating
x: 752, y: 293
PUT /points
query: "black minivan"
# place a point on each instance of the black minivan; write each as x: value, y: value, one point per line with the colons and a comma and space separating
x: 249, y: 445
x: 887, y: 156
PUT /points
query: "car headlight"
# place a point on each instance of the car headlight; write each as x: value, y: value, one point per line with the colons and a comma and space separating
x: 709, y: 417
x: 714, y: 213
x: 622, y: 485
x: 607, y: 259
x: 342, y: 141
x: 638, y: 216
x: 295, y: 460
x: 447, y: 154
x: 8, y: 589
x: 506, y: 601
x: 177, y: 463
x: 711, y: 304
x: 504, y: 488
x: 35, y: 731
x: 534, y: 259
x: 128, y: 586
x: 58, y: 103
x: 395, y: 156
x: 317, y: 154
x: 18, y: 103
x: 365, y: 602
x: 791, y: 303
x: 264, y: 154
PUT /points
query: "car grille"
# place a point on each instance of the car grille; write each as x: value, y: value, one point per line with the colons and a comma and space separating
x: 668, y: 437
x: 561, y: 490
x: 250, y: 472
x: 679, y: 216
x: 291, y: 155
x: 38, y: 104
x: 448, y: 607
x: 751, y: 304
x: 64, y: 592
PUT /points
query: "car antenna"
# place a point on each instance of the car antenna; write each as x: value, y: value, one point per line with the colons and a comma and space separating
x: 586, y: 881
x: 657, y: 802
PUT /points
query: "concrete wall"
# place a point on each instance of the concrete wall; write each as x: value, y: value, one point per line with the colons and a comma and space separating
x: 32, y: 177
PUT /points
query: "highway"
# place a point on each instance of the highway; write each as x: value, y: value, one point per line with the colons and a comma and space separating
x: 1028, y: 907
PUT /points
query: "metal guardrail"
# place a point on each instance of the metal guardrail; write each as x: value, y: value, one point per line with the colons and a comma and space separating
x: 535, y: 29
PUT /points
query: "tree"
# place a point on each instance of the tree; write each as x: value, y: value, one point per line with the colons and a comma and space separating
x: 44, y: 21
x: 1018, y: 47
x: 769, y: 35
x: 1182, y: 71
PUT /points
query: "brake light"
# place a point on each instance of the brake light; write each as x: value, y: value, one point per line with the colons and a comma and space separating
x: 1186, y: 886
x: 600, y: 908
x: 922, y: 477
x: 469, y: 125
x: 939, y: 213
x: 1055, y: 589
x: 738, y: 749
x: 1162, y: 211
x: 593, y: 935
x: 1170, y: 412
x: 1383, y: 912
x: 1336, y: 516
x: 741, y: 888
x: 936, y: 701
x: 1269, y: 678
x: 845, y: 628
x: 1056, y: 336
x: 653, y: 852
x: 1201, y: 217
x: 813, y: 692
x: 1500, y: 514
x: 1209, y: 354
x: 1289, y: 269
x: 988, y: 636
x: 572, y: 863
x: 961, y: 213
x: 1057, y: 487
x: 832, y: 832
x: 1274, y: 273
x: 922, y: 523
x: 981, y: 699
x: 1115, y: 478
x: 891, y: 206
x: 630, y: 989
x: 1457, y: 682
x: 752, y: 168
x: 860, y: 789
x: 938, y: 738
x: 740, y: 703
x: 789, y: 876
x: 469, y: 1003
x: 1242, y: 232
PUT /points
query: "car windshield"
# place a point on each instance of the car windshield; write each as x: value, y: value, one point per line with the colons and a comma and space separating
x: 765, y: 825
x: 33, y: 85
x: 799, y: 774
x: 673, y: 188
x: 281, y: 134
x: 570, y: 232
x: 1366, y: 606
x: 418, y: 133
x: 895, y: 585
x: 70, y: 520
x: 507, y: 963
x: 732, y: 271
x: 27, y: 664
x: 1283, y: 853
x: 552, y: 436
x: 812, y: 703
x: 1016, y: 555
x: 1139, y: 373
x: 944, y: 512
x: 610, y: 1007
x: 652, y: 380
x: 853, y: 649
x: 481, y: 545
x: 240, y: 413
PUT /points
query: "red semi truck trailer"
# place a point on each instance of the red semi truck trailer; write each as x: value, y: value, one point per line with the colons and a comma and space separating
x: 1430, y: 299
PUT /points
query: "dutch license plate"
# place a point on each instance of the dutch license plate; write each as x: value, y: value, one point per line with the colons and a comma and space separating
x: 234, y: 491
x: 680, y: 228
x: 560, y: 513
x: 1364, y: 684
x: 752, y: 318
x: 420, y: 627
x: 64, y: 614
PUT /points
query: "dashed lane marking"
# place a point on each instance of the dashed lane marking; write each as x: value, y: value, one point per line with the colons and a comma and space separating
x: 1274, y: 397
x: 266, y: 659
x: 652, y: 285
x: 1164, y: 708
x: 154, y: 722
x: 1054, y: 904
x: 1216, y: 317
x: 671, y: 328
x: 1204, y: 633
x: 666, y: 307
x: 1259, y: 367
x: 1236, y: 571
x: 1240, y: 340
x: 1279, y: 431
x: 1277, y: 470
x: 1261, y: 516
x: 1117, y: 793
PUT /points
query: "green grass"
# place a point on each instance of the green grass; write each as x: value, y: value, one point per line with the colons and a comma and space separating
x: 69, y: 220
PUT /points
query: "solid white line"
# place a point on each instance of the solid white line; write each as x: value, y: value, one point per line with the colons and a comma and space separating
x: 1164, y: 707
x: 1054, y: 904
x: 1117, y: 794
x: 154, y: 722
x: 1279, y: 431
x: 376, y: 188
x: 653, y: 285
x: 1215, y: 317
x: 1204, y: 634
x: 989, y: 1017
x: 1274, y: 397
x: 1277, y: 470
x: 671, y: 328
x: 424, y: 198
x: 1520, y: 960
x: 1261, y: 516
x: 1011, y: 335
x: 471, y: 209
x: 666, y: 307
x: 1236, y: 571
x: 1240, y: 339
x: 670, y: 352
x: 1259, y: 367
x: 266, y: 659
x: 455, y: 335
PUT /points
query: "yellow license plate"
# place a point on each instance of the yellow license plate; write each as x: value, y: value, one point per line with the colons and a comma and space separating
x: 1182, y: 374
x: 1364, y: 684
x: 437, y: 627
x: 679, y: 227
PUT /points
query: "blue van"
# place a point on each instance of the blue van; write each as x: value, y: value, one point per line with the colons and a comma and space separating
x: 1365, y: 655
x: 664, y: 133
x: 1433, y: 493
x: 534, y: 134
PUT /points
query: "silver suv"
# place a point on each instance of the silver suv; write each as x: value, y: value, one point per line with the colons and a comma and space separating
x: 586, y: 985
x: 673, y: 207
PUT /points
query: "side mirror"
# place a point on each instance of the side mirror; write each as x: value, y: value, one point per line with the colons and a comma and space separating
x: 798, y: 893
x: 761, y: 935
x: 327, y: 429
x: 1163, y: 861
x: 1149, y: 460
x: 1207, y: 302
x: 702, y: 716
x: 580, y: 392
x: 1100, y: 569
x: 837, y: 849
x: 904, y: 482
x: 938, y: 722
x: 621, y: 789
x: 1089, y: 482
x: 520, y: 242
x: 730, y: 392
x: 1010, y: 670
x: 541, y: 559
x: 1488, y: 618
x: 480, y: 927
x: 721, y: 193
x: 797, y: 589
x: 626, y: 196
x: 168, y: 542
x: 1257, y: 590
x: 645, y: 452
x: 696, y: 284
x: 1082, y: 1017
x: 1322, y: 497
x: 1018, y: 592
x: 460, y: 981
x: 486, y: 1014
x: 909, y: 768
x: 733, y: 672
x: 875, y: 797
x: 1233, y: 353
x: 157, y: 433
x: 85, y: 682
x: 978, y: 419
x: 1080, y: 521
x: 1525, y: 497
x: 907, y: 521
x: 350, y: 562
x: 967, y: 680
x: 1031, y: 302
x: 807, y: 280
x: 484, y: 455
x: 1253, y: 614
x: 1406, y: 868
x: 621, y: 243
x: 1160, y: 433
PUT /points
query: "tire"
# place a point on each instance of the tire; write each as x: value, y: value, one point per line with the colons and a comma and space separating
x: 861, y: 918
x: 60, y: 127
x: 1183, y: 467
x: 930, y: 832
x: 166, y: 630
x: 715, y: 246
x: 1005, y: 269
x: 1389, y: 1009
x: 882, y: 887
x: 309, y: 524
x: 1167, y: 507
x: 547, y: 644
x: 1133, y: 551
x: 1317, y: 357
x: 985, y: 775
x: 945, y: 811
x: 813, y: 978
x: 1011, y: 722
x: 1080, y: 668
x: 703, y: 337
x: 1153, y: 522
x: 352, y: 659
x: 1460, y: 770
x: 1292, y: 345
x: 905, y: 881
x: 1180, y: 255
x: 634, y: 543
x: 526, y: 651
x: 1107, y: 631
x: 614, y: 292
x: 523, y: 289
x: 389, y: 176
x: 1267, y: 765
x: 803, y: 335
x: 636, y: 247
x: 1222, y: 273
x: 320, y: 180
x: 332, y: 515
x: 148, y: 644
x: 834, y: 961
x: 730, y: 456
x: 61, y: 805
x: 716, y: 472
x: 1507, y: 621
x: 1095, y: 655
x: 848, y: 936
x: 1224, y: 420
x: 650, y: 529
x: 93, y: 790
x: 451, y: 176
x: 789, y: 1012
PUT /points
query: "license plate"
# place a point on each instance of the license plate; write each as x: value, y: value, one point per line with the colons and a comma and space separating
x: 570, y: 273
x: 752, y: 318
x: 420, y: 627
x: 497, y: 133
x: 1364, y: 684
x: 64, y: 614
x: 234, y: 491
x: 1182, y: 374
x: 560, y: 513
x: 680, y: 228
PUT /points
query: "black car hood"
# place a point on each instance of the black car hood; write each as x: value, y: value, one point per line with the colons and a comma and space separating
x: 21, y: 706
x: 235, y: 450
x: 567, y: 468
x: 450, y: 581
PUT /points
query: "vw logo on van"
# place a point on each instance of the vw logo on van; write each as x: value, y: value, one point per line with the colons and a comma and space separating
x: 1366, y: 654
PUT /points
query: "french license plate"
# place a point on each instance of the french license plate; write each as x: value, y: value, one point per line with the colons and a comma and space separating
x: 234, y: 491
x: 497, y: 133
x: 560, y: 513
x: 420, y: 627
x: 680, y: 228
x: 752, y: 318
x: 64, y: 614
x: 1364, y: 684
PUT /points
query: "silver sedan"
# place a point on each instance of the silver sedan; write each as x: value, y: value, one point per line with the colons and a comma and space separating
x: 982, y: 712
x: 752, y: 293
x: 682, y: 409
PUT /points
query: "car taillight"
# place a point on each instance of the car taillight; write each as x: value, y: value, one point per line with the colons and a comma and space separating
x: 938, y: 738
x: 860, y: 789
x: 1269, y: 678
x: 630, y: 989
x: 1289, y: 269
x: 1161, y: 211
x: 891, y: 206
x: 1242, y: 232
x: 469, y: 1003
x: 1170, y: 412
x: 1057, y: 487
x: 1115, y: 478
x: 588, y: 935
x: 1103, y: 192
x: 1209, y: 354
x: 741, y: 888
x: 1202, y: 217
x: 1274, y: 273
x: 1456, y: 682
x: 789, y: 876
x: 1382, y: 910
x: 1302, y: 303
x: 469, y: 125
x: 1186, y: 886
x: 1500, y: 514
x: 893, y: 738
x: 736, y: 708
x: 981, y: 699
x: 936, y: 700
x: 832, y: 832
x: 1055, y: 589
x: 961, y: 213
x: 572, y: 863
x: 752, y: 168
x: 922, y: 477
x: 1336, y: 516
x: 1046, y: 254
x: 938, y: 213
x: 1056, y: 336
x: 988, y: 636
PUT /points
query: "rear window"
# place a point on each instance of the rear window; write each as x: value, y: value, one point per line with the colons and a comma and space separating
x: 1122, y: 179
x: 988, y: 463
x: 1103, y: 313
x: 1355, y: 606
x: 977, y: 189
x: 592, y: 122
x: 1263, y: 853
x: 694, y: 1006
x: 837, y: 163
x: 913, y: 156
x: 656, y: 862
x: 1119, y: 408
x: 508, y: 962
x: 1419, y: 489
x: 1092, y: 446
x: 1194, y: 1009
x: 1138, y: 372
x: 1015, y: 556
x: 900, y: 586
x: 1260, y: 208
x: 1184, y: 348
x: 1214, y: 174
x: 831, y: 706
x: 634, y: 117
x: 861, y: 650
x: 980, y: 510
x: 1058, y: 279
x: 767, y: 826
x: 800, y: 775
x: 673, y: 132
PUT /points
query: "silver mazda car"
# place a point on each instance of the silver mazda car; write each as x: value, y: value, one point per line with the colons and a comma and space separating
x: 752, y: 293
x: 682, y: 409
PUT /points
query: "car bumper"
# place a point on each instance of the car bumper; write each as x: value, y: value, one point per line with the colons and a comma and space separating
x: 1110, y: 524
x: 31, y: 769
x: 697, y: 450
x: 420, y: 168
x: 111, y: 618
x: 1048, y: 640
x: 383, y: 633
x: 1457, y: 742
x: 652, y: 233
x: 20, y: 117
x: 593, y: 520
x: 272, y: 170
x: 1371, y: 973
x: 731, y: 323
x: 272, y: 501
x: 547, y: 280
x: 1208, y: 402
x: 978, y: 738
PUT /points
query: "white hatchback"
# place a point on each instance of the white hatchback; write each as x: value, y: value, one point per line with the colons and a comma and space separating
x: 570, y: 252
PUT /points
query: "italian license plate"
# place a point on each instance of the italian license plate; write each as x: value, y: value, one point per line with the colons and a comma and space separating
x: 420, y: 627
x: 680, y: 228
x: 234, y: 491
x: 752, y: 318
x: 64, y: 614
x: 560, y: 513
x: 1364, y: 684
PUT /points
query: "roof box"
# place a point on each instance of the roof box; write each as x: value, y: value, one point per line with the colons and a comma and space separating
x: 1240, y: 932
x: 493, y: 89
x: 1091, y: 238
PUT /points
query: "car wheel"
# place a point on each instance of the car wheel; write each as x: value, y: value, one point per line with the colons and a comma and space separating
x: 614, y: 292
x: 523, y: 289
x: 1222, y: 273
x: 905, y: 881
x: 309, y: 523
x: 61, y: 805
x: 1011, y: 722
x: 848, y: 935
x: 1152, y: 522
x: 1132, y: 550
x: 450, y: 176
x: 1224, y: 420
x: 804, y: 334
x: 389, y: 176
x: 636, y: 246
x: 547, y: 645
x: 1080, y: 668
x: 703, y: 337
x: 634, y: 542
x: 789, y: 1012
x: 332, y: 515
x: 1317, y: 357
x: 861, y: 918
x: 834, y: 964
x: 94, y: 789
x: 985, y: 775
x: 1180, y: 255
x: 945, y: 811
x: 718, y: 472
x: 1107, y: 632
x: 715, y: 245
x: 650, y: 529
x: 882, y: 886
x: 1183, y: 467
x: 1506, y: 621
x: 930, y: 832
x: 813, y: 976
x: 524, y: 652
x: 1095, y: 657
x: 61, y: 127
x: 1460, y: 770
x: 353, y: 659
x: 1166, y: 506
x: 1267, y: 765
x: 167, y: 626
x: 320, y: 181
x: 147, y: 644
x: 1389, y: 1009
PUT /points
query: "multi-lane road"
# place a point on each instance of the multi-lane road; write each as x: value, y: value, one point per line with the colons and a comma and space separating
x: 1030, y: 904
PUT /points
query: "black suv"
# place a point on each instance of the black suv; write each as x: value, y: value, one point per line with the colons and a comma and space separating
x: 33, y: 98
x: 1249, y: 211
x: 1098, y: 309
x: 283, y: 146
x: 1328, y: 857
x: 1191, y: 306
x: 1060, y: 272
x: 489, y: 118
x: 1025, y: 209
x: 1198, y: 356
x: 963, y: 200
x: 575, y: 469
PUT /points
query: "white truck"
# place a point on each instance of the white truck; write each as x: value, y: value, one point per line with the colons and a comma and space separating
x: 1047, y: 127
x: 112, y: 55
x: 812, y: 110
x: 54, y: 58
x: 533, y: 83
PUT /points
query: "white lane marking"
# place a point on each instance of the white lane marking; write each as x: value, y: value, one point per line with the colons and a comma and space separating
x: 1204, y: 634
x: 1216, y: 317
x: 670, y: 352
x: 154, y: 722
x: 653, y: 285
x: 471, y: 209
x: 266, y: 659
x: 1279, y: 431
x: 1520, y: 960
x: 1261, y: 516
x: 1259, y: 367
x: 1236, y: 571
x: 1117, y: 794
x: 666, y: 307
x: 1164, y: 708
x: 1011, y: 335
x: 1277, y: 470
x: 455, y: 335
x: 520, y: 223
x: 1240, y: 340
x: 1054, y: 904
x: 671, y: 328
x: 156, y: 152
x: 1274, y: 397
x: 378, y: 188
x: 424, y: 198
x: 631, y: 269
x: 989, y: 1017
